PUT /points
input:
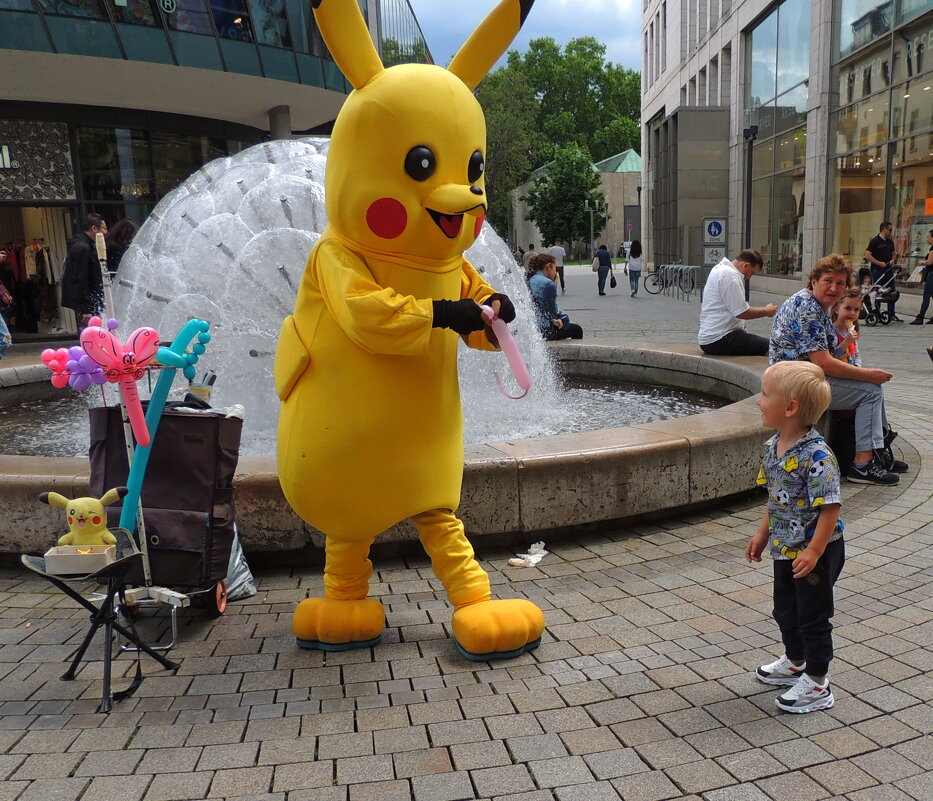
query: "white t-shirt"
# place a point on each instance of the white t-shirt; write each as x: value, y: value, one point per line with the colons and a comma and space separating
x: 635, y: 263
x: 723, y: 300
x: 559, y: 254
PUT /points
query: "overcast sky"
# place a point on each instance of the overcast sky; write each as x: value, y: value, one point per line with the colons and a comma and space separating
x: 615, y: 23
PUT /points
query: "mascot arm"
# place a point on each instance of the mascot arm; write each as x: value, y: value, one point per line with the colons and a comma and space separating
x: 472, y: 285
x: 378, y: 319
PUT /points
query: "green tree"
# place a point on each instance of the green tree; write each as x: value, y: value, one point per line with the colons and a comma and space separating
x: 514, y: 146
x: 549, y: 98
x: 557, y: 201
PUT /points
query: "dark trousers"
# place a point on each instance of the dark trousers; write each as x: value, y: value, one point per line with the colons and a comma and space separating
x: 560, y: 274
x: 569, y: 331
x: 803, y: 608
x: 737, y: 343
x: 927, y: 293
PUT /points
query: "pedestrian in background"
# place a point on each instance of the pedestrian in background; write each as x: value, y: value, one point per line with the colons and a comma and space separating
x: 82, y: 285
x: 118, y: 242
x: 559, y: 254
x: 633, y: 268
x: 602, y: 264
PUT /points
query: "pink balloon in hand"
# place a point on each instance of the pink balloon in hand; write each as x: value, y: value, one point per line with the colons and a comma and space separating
x: 124, y: 366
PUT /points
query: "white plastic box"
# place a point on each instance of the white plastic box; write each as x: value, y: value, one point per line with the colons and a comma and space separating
x: 74, y: 559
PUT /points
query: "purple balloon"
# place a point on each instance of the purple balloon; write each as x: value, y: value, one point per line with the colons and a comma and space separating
x: 72, y: 366
x: 113, y: 324
x: 98, y: 376
x: 87, y: 363
x: 76, y: 352
x: 80, y: 382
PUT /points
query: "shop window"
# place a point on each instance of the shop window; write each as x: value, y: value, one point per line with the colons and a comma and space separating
x: 135, y: 12
x: 311, y: 70
x: 908, y: 9
x: 911, y: 56
x: 83, y: 37
x: 231, y: 18
x: 862, y: 124
x: 271, y: 22
x: 861, y: 22
x: 793, y: 50
x: 790, y: 149
x: 762, y: 229
x: 763, y: 157
x: 788, y: 202
x: 859, y: 182
x: 911, y: 184
x: 114, y: 164
x: 73, y: 8
x: 791, y: 109
x: 763, y: 58
x: 176, y: 156
x: 912, y: 107
x: 26, y: 30
x: 17, y: 5
x: 191, y: 16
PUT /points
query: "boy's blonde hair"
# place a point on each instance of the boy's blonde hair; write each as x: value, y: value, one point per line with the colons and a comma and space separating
x: 803, y: 382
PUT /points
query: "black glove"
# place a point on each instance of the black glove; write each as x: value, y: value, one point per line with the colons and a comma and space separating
x: 463, y: 316
x: 506, y: 309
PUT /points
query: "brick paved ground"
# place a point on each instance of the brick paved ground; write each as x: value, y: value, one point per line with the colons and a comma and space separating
x: 641, y: 690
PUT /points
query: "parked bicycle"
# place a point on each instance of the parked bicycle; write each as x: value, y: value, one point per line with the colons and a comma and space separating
x: 668, y: 276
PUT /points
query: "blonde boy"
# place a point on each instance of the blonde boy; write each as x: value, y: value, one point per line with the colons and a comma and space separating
x: 802, y: 526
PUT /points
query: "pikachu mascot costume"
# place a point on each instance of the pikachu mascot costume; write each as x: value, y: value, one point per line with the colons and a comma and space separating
x: 371, y: 430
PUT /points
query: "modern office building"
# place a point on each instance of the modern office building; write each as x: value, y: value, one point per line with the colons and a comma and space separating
x: 106, y: 105
x: 801, y: 124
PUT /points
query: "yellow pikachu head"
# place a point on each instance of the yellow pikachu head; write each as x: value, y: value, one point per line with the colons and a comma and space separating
x: 407, y: 154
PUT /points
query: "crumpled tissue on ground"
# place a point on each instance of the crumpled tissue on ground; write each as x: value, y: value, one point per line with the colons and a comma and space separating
x: 535, y: 554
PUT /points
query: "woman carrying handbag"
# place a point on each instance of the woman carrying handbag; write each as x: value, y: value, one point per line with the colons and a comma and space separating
x: 602, y: 266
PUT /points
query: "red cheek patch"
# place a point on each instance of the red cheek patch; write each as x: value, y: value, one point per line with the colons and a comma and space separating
x: 96, y: 521
x: 387, y: 218
x: 478, y: 226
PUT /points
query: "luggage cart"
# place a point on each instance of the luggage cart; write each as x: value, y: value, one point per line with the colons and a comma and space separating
x: 187, y: 505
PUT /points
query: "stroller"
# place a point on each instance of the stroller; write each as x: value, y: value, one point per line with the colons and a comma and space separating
x: 882, y: 291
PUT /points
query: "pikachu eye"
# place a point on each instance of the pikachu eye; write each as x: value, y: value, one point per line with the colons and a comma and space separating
x: 476, y: 167
x: 420, y: 163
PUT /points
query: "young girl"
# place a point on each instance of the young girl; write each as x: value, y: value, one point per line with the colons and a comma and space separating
x: 845, y: 319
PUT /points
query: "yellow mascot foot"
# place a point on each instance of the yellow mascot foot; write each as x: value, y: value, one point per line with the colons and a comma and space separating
x: 497, y: 629
x: 328, y: 625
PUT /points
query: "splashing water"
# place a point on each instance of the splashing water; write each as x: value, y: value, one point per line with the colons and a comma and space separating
x: 229, y: 246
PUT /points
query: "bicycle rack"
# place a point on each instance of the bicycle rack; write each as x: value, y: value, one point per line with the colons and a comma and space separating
x: 678, y: 280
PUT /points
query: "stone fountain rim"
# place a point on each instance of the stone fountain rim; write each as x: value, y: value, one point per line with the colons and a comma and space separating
x: 509, y: 487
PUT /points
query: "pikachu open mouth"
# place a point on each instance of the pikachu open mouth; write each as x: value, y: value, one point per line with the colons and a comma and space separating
x: 450, y: 224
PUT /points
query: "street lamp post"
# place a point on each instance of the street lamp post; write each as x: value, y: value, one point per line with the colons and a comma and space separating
x: 638, y: 189
x: 598, y: 206
x: 750, y: 134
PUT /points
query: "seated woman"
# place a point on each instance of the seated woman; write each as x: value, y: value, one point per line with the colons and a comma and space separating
x: 542, y: 273
x: 803, y: 330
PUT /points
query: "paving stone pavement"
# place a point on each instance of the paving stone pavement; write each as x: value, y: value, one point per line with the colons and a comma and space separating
x: 641, y: 689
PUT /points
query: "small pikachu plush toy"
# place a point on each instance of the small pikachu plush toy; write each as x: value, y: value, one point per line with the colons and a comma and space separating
x: 87, y: 520
x: 370, y: 424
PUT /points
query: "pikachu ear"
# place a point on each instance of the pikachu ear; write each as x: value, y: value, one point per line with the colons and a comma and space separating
x: 345, y: 33
x: 489, y: 41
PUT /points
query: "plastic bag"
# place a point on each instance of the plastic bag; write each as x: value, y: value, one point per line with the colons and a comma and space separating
x: 240, y: 582
x: 535, y: 554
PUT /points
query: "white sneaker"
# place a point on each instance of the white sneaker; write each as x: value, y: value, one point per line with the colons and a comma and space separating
x: 782, y: 671
x: 806, y: 696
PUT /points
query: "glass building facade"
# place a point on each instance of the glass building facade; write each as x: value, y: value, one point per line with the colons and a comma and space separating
x: 779, y: 64
x: 881, y: 129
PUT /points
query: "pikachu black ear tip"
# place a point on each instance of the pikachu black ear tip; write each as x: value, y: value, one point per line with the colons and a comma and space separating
x: 524, y: 4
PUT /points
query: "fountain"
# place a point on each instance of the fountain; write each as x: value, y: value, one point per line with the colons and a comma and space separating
x: 229, y: 245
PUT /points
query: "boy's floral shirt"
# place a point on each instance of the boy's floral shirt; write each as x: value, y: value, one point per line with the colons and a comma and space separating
x: 801, y: 326
x: 799, y: 482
